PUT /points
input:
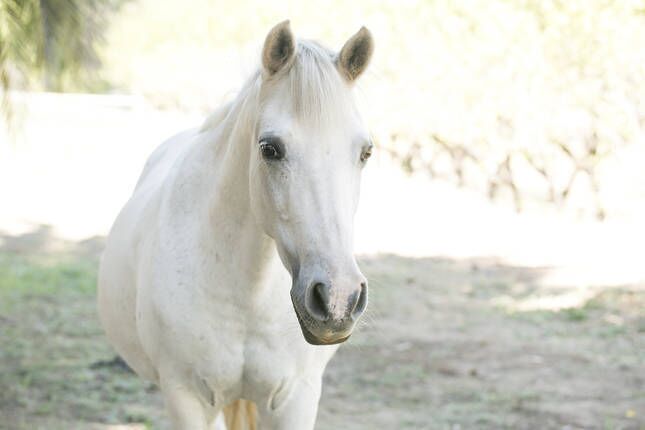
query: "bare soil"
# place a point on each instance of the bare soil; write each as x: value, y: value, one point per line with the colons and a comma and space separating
x: 444, y: 346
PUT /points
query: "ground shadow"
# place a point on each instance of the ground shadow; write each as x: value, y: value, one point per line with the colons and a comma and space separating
x: 43, y: 240
x: 440, y: 347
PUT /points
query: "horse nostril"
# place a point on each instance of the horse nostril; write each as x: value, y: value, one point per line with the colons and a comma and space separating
x: 361, y: 302
x: 318, y: 301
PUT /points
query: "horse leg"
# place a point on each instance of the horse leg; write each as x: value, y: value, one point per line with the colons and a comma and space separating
x: 297, y: 411
x: 183, y: 405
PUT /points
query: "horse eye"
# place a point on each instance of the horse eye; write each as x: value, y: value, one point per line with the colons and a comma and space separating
x: 367, y: 153
x: 270, y: 150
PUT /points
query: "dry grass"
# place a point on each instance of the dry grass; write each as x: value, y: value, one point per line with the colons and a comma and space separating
x: 436, y: 350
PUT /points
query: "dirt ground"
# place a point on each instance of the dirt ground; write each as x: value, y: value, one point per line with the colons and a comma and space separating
x: 446, y: 344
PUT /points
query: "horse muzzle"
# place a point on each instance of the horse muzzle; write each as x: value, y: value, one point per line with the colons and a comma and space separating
x: 328, y: 314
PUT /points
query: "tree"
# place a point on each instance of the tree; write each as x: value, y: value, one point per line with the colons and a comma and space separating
x: 51, y: 44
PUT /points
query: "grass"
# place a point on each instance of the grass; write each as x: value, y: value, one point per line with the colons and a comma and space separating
x: 55, y: 367
x: 433, y: 356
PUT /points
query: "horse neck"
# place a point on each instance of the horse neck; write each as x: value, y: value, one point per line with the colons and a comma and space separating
x: 230, y: 217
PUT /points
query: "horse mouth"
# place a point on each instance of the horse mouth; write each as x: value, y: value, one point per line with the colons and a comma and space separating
x: 312, y: 338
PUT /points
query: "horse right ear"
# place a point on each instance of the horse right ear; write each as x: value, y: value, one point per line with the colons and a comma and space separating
x: 279, y: 48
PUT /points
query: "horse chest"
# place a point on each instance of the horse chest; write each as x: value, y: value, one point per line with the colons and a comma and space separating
x: 238, y: 347
x: 244, y: 361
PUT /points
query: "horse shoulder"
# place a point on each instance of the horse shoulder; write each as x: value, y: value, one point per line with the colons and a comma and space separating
x: 129, y: 252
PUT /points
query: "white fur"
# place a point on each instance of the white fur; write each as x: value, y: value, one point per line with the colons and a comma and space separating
x: 192, y: 290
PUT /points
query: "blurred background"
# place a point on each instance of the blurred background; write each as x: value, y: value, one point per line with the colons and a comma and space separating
x: 501, y: 225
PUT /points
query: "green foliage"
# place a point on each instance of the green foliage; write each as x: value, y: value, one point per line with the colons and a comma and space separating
x: 52, y: 44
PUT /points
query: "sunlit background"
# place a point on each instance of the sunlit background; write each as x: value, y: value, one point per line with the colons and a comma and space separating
x: 502, y: 217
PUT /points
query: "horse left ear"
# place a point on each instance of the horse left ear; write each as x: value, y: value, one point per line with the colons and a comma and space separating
x: 355, y: 55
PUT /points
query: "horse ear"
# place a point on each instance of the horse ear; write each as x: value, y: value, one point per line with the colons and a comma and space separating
x: 279, y: 48
x: 355, y: 55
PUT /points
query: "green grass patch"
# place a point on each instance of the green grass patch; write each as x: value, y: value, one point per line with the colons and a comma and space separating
x: 51, y: 343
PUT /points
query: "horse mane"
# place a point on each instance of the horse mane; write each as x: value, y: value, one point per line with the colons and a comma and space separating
x: 315, y: 88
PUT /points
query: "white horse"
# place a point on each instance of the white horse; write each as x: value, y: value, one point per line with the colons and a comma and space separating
x: 194, y: 282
